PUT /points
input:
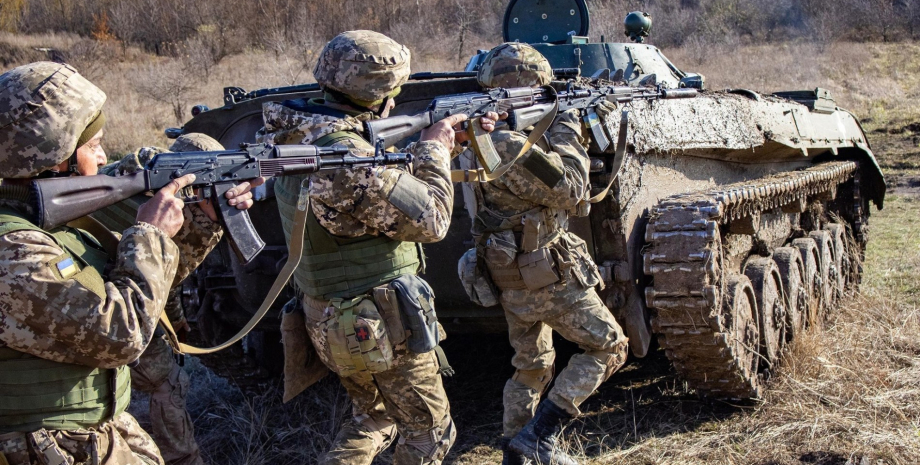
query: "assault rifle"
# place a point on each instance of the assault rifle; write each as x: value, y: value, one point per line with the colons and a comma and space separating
x: 61, y: 200
x: 526, y: 106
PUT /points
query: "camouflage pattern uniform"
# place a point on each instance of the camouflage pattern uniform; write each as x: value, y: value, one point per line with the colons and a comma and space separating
x: 157, y: 372
x: 535, y: 198
x: 365, y: 68
x: 76, y: 321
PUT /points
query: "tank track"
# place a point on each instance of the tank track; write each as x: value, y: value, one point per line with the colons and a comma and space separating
x: 710, y: 346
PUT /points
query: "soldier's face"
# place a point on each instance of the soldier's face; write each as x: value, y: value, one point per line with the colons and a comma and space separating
x: 91, y: 156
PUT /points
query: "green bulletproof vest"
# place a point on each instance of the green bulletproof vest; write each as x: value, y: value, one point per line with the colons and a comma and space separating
x: 335, y: 266
x: 38, y: 393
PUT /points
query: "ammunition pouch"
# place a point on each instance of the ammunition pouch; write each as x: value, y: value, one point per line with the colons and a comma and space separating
x: 538, y: 268
x: 476, y: 280
x: 415, y: 300
x: 565, y: 260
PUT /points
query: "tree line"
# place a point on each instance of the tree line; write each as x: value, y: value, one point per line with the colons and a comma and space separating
x: 213, y: 29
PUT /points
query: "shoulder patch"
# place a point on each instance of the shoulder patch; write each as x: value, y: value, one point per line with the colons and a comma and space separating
x: 540, y: 166
x: 66, y: 267
x: 410, y: 196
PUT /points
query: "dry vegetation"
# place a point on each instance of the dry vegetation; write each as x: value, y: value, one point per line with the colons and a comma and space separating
x: 849, y: 393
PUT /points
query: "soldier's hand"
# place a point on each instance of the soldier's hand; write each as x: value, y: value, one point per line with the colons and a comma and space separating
x: 487, y: 123
x: 164, y: 210
x: 239, y: 196
x: 443, y: 131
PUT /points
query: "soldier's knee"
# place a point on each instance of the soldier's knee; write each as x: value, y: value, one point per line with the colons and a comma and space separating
x: 381, y: 431
x: 174, y: 387
x: 429, y: 446
x: 612, y: 358
x: 535, y: 379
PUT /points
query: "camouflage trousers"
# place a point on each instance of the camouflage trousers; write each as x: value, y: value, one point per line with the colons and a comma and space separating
x: 578, y: 315
x: 158, y: 374
x: 408, y: 398
x: 120, y: 441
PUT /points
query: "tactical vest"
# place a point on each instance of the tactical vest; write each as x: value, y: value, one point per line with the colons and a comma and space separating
x: 335, y: 266
x: 38, y: 393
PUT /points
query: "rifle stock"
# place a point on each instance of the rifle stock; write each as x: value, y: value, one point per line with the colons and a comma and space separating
x: 397, y: 128
x: 65, y: 199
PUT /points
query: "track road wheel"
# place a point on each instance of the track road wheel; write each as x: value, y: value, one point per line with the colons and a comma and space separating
x: 792, y: 270
x: 811, y: 278
x: 841, y: 256
x: 828, y: 271
x: 771, y: 315
x: 739, y: 310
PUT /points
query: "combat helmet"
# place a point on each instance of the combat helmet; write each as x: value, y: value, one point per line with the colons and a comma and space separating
x: 514, y: 64
x: 365, y: 66
x: 44, y: 109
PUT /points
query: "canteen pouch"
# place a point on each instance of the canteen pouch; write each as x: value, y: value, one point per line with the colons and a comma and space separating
x: 538, y: 268
x: 476, y: 281
x: 415, y: 300
x: 356, y: 337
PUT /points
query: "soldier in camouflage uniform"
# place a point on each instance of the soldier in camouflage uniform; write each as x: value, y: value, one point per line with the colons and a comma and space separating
x: 362, y: 231
x: 544, y: 273
x: 72, y: 314
x: 157, y: 372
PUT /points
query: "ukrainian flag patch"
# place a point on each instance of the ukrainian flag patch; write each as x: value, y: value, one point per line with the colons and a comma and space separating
x: 66, y: 267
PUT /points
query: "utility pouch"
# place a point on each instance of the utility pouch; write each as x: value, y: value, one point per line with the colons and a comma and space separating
x: 302, y: 366
x: 357, y: 338
x: 533, y: 224
x: 389, y: 310
x: 538, y: 268
x: 501, y: 249
x: 582, y: 267
x: 416, y: 304
x: 476, y: 280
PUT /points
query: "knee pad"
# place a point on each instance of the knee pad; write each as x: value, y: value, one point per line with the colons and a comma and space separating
x: 612, y: 358
x: 382, y: 431
x: 537, y: 379
x: 432, y: 444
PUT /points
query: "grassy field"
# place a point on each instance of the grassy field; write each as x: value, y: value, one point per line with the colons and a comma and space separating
x: 848, y: 393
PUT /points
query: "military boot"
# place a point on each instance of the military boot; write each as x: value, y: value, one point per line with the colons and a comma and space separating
x: 537, y: 441
x: 510, y: 457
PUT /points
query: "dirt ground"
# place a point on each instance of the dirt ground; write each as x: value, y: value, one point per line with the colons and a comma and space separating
x: 847, y: 393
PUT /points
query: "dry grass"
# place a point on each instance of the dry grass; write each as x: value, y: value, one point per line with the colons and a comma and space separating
x: 847, y: 394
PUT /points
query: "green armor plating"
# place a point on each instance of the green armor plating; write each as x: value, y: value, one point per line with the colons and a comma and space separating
x: 37, y: 393
x: 337, y: 266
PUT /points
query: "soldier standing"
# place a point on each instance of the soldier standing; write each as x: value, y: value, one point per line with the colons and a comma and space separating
x: 72, y: 315
x: 157, y: 371
x: 361, y: 256
x: 545, y: 274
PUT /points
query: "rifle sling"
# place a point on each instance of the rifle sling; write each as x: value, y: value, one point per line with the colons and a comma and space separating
x: 294, y: 255
x: 480, y: 143
x: 106, y: 238
x: 619, y: 159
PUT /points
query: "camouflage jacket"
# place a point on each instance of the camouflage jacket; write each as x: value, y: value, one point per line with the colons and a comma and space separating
x: 354, y: 202
x: 557, y: 179
x: 60, y: 319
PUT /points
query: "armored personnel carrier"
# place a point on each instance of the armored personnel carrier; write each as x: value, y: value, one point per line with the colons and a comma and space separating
x: 736, y: 221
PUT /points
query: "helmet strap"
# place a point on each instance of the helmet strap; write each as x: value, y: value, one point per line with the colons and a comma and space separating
x: 72, y: 165
x: 383, y: 106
